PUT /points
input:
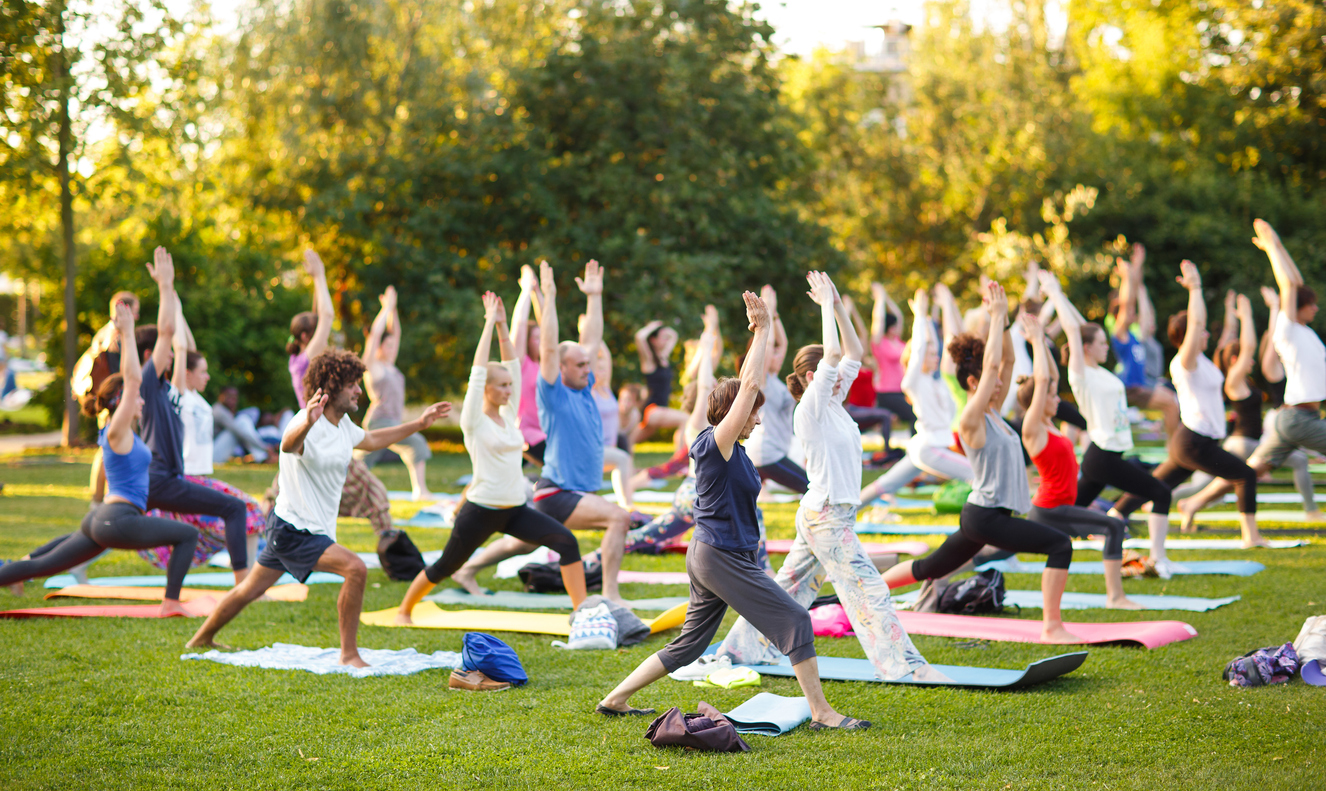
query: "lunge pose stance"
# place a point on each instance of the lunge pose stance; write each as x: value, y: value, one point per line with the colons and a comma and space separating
x: 826, y: 546
x: 772, y: 438
x: 495, y: 499
x: 999, y: 486
x: 721, y: 561
x: 654, y: 342
x: 119, y: 523
x: 301, y: 529
x: 386, y: 394
x: 1196, y: 442
x: 1103, y: 400
x: 1038, y: 395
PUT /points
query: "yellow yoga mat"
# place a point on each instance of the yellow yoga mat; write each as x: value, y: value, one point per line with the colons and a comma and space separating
x: 428, y: 615
x: 295, y: 592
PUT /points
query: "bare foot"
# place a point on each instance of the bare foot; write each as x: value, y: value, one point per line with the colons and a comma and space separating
x: 1255, y: 543
x: 403, y: 619
x: 16, y: 589
x: 1314, y: 516
x: 619, y: 601
x: 1058, y: 635
x: 421, y: 496
x: 930, y: 675
x: 466, y: 579
x: 1122, y: 603
x: 1189, y: 522
x: 173, y: 607
x: 353, y: 661
x: 197, y: 642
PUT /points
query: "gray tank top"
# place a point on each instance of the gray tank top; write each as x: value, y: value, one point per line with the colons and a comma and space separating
x: 387, y: 395
x: 1000, y: 477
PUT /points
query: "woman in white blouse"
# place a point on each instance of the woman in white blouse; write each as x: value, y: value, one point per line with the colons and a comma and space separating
x: 495, y: 502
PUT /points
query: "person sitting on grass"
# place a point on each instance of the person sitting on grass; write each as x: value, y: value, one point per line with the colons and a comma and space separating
x: 301, y: 529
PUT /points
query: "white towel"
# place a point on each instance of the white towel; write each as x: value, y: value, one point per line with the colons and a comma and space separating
x: 382, y: 662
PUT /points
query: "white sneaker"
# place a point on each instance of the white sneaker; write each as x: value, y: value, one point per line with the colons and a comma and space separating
x: 697, y: 670
x: 1167, y: 568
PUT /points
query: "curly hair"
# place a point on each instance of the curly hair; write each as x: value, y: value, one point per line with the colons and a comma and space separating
x: 807, y: 359
x: 968, y: 353
x: 107, y: 396
x: 724, y: 395
x: 332, y: 371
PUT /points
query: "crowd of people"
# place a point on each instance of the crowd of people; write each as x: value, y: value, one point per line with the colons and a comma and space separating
x: 981, y: 393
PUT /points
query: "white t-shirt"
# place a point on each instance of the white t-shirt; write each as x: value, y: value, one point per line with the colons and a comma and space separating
x: 770, y: 440
x: 1304, y: 357
x: 1022, y: 366
x: 1201, y: 399
x: 830, y: 437
x: 196, y: 414
x: 1103, y: 401
x: 495, y: 451
x: 311, y: 481
x: 931, y: 400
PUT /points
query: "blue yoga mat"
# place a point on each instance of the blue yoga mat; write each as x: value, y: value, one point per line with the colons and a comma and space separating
x: 1095, y: 601
x: 517, y: 600
x: 768, y: 714
x: 1236, y: 568
x: 833, y: 668
x: 905, y: 530
x: 424, y: 519
x: 204, y: 579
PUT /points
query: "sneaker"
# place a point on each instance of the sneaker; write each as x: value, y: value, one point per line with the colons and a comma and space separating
x: 1167, y: 568
x: 475, y: 681
x: 697, y: 670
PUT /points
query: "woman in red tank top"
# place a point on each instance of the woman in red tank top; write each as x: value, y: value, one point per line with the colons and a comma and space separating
x: 1056, y: 462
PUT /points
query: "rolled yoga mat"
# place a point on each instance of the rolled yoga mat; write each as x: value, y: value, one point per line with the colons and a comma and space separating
x: 833, y: 668
x: 428, y: 615
x: 1150, y: 634
x: 538, y: 601
x: 203, y: 579
x: 1096, y: 601
x: 1235, y: 568
x: 892, y: 529
x: 200, y: 608
x: 1189, y: 543
x: 292, y: 592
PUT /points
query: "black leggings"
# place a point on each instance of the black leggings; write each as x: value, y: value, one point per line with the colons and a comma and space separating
x: 1189, y: 451
x: 997, y: 527
x: 787, y: 473
x: 867, y: 416
x: 1067, y: 413
x: 898, y: 404
x: 182, y: 497
x: 113, y: 526
x: 1101, y: 468
x: 475, y: 523
x: 1082, y: 522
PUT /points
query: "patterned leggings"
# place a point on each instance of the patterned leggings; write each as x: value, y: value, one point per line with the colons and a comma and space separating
x: 211, y: 529
x: 826, y: 547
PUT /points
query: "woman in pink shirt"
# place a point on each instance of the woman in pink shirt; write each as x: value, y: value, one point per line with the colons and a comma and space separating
x: 525, y: 336
x: 886, y: 343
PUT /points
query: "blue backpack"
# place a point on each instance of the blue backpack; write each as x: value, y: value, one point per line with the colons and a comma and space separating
x: 493, y: 658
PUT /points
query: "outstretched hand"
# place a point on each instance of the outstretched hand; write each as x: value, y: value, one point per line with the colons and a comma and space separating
x: 388, y: 298
x: 493, y: 310
x: 711, y: 319
x: 821, y: 290
x: 435, y: 413
x: 1049, y: 283
x: 1189, y: 277
x: 995, y: 300
x: 313, y: 264
x: 1139, y: 255
x: 770, y: 299
x: 317, y: 403
x: 1271, y: 297
x: 592, y: 283
x: 1031, y: 325
x: 1229, y: 301
x: 920, y: 303
x: 124, y: 319
x: 756, y: 313
x: 162, y: 268
x: 1267, y: 239
x: 546, y: 282
x: 528, y: 280
x: 1243, y: 307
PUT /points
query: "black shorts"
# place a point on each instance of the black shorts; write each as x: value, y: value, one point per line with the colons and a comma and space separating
x: 553, y: 501
x: 536, y: 451
x: 291, y: 549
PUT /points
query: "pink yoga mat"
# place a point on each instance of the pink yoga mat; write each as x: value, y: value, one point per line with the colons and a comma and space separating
x: 654, y: 577
x: 781, y: 546
x: 1151, y: 634
x: 198, y: 609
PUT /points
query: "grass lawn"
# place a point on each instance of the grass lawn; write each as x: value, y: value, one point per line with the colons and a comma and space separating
x: 107, y: 704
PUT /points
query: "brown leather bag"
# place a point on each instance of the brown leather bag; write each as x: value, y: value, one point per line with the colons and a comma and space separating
x: 709, y: 731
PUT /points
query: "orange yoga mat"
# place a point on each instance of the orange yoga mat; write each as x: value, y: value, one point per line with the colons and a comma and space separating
x: 293, y: 592
x: 199, y: 608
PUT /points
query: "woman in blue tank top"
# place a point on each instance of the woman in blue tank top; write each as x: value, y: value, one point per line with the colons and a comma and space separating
x: 119, y: 522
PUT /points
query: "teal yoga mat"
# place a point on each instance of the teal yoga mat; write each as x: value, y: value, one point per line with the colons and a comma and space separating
x: 517, y: 600
x: 1236, y: 568
x: 834, y: 668
x: 1096, y: 601
x: 204, y: 579
x: 768, y: 714
x: 905, y: 530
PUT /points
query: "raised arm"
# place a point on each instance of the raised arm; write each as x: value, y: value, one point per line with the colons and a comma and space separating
x: 826, y: 296
x: 1032, y: 276
x: 381, y: 326
x: 704, y: 373
x: 529, y: 288
x: 950, y: 324
x: 971, y: 423
x: 1034, y: 432
x: 1230, y: 330
x: 1287, y: 276
x: 323, y: 305
x: 752, y: 377
x: 180, y: 345
x: 879, y: 312
x: 1070, y: 320
x: 380, y: 438
x: 592, y: 287
x: 643, y: 349
x: 1273, y: 368
x: 851, y: 342
x: 920, y: 305
x: 1191, y: 280
x: 120, y: 431
x: 1127, y: 312
x: 778, y: 338
x: 162, y: 270
x: 549, y: 362
x: 858, y: 324
x: 1236, y: 380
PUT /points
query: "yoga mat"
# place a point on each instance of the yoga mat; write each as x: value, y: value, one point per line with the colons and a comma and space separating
x: 833, y: 668
x: 1235, y: 568
x: 1151, y: 634
x: 197, y: 609
x: 292, y: 592
x: 324, y: 661
x: 426, y: 519
x: 768, y: 714
x: 538, y: 601
x: 428, y: 615
x: 372, y: 561
x: 781, y: 546
x: 1096, y: 601
x: 654, y: 577
x: 1233, y: 516
x: 910, y: 504
x: 1311, y: 673
x: 202, y: 579
x: 905, y: 530
x: 1270, y: 497
x: 1189, y: 543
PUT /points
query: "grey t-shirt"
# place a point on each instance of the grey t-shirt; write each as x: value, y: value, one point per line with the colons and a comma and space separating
x: 771, y: 439
x: 999, y: 474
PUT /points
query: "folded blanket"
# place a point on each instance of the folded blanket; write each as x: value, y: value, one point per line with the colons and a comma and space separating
x: 382, y: 662
x: 630, y: 629
x: 768, y: 714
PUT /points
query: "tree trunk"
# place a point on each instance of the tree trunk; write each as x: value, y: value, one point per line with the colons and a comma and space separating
x: 70, y: 430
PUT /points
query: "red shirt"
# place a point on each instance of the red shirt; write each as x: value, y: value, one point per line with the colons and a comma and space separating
x: 1058, y: 468
x: 862, y: 392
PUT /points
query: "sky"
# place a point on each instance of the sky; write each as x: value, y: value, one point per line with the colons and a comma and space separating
x: 804, y: 25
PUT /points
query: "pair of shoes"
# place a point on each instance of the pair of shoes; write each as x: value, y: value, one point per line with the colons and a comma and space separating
x: 475, y: 681
x: 607, y: 712
x: 848, y: 724
x: 697, y: 670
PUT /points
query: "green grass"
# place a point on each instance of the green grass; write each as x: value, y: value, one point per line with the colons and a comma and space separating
x: 108, y: 704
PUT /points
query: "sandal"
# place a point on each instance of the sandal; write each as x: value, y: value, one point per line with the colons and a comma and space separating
x: 607, y: 712
x: 848, y: 724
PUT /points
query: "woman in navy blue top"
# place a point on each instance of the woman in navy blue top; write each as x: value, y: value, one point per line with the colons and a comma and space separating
x: 119, y: 522
x: 722, y: 561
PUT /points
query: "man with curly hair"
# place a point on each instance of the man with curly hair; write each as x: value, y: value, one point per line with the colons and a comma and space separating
x: 316, y: 449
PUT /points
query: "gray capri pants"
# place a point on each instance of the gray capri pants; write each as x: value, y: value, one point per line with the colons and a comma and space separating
x: 1082, y: 522
x: 720, y: 579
